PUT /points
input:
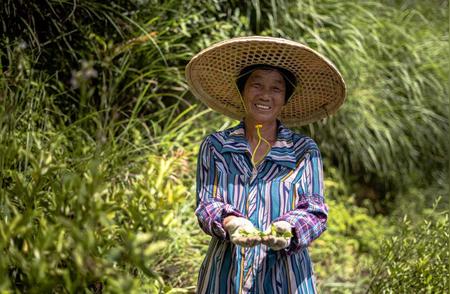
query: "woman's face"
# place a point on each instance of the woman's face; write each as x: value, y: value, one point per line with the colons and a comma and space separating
x: 264, y: 95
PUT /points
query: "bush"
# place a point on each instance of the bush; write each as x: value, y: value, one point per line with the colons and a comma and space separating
x: 415, y: 259
x: 342, y: 256
x: 83, y: 216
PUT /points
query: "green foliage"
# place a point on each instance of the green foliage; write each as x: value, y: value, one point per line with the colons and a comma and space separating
x: 123, y: 58
x: 415, y: 259
x: 98, y: 136
x: 344, y: 252
x: 79, y: 214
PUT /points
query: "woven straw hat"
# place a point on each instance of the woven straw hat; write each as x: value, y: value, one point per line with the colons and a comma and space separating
x: 212, y: 74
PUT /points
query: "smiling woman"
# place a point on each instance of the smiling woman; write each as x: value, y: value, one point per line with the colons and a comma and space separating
x: 263, y: 204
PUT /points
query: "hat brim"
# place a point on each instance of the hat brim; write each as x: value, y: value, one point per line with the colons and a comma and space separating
x: 212, y: 74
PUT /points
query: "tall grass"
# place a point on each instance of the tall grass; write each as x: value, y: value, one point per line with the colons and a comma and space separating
x: 391, y: 133
x: 96, y: 149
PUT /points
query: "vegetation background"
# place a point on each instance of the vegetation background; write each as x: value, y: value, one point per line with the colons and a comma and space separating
x: 99, y: 136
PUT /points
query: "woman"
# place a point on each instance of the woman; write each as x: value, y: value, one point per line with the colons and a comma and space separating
x: 260, y: 185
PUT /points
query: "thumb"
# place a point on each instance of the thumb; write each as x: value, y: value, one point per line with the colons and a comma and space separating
x: 282, y: 226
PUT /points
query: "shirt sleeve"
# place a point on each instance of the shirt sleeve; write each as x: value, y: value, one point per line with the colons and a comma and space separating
x: 211, y: 209
x: 309, y: 218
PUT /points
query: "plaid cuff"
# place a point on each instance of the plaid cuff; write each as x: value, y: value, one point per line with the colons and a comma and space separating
x: 210, y: 217
x: 308, y: 220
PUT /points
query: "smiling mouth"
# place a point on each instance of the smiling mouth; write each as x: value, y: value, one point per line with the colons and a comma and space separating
x: 263, y: 107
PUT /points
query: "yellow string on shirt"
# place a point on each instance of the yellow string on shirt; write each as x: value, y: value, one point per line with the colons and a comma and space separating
x: 260, y: 138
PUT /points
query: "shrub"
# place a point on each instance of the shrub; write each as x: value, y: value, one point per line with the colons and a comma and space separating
x: 342, y: 256
x: 415, y: 259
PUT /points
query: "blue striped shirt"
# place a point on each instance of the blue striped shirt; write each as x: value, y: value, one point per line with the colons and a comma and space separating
x: 287, y: 185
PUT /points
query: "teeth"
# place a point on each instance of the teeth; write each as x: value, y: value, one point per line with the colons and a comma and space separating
x: 262, y: 106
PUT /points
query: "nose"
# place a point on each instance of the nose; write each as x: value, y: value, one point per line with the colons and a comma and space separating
x: 265, y: 96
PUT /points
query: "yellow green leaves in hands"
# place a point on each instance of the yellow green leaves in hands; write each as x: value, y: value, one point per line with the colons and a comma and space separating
x: 272, y: 232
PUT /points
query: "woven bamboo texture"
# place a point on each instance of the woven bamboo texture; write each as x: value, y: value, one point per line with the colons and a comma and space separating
x: 212, y: 73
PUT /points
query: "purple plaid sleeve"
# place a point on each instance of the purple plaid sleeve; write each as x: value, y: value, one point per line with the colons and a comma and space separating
x: 309, y: 218
x: 211, y: 209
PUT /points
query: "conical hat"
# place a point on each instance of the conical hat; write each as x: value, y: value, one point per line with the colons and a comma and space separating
x: 212, y: 74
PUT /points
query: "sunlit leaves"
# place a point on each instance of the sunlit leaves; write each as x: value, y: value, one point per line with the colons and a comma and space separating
x: 415, y: 259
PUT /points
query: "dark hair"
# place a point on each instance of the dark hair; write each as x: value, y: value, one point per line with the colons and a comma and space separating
x: 289, y: 79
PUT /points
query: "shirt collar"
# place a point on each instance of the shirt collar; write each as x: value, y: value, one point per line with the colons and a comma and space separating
x: 282, y: 151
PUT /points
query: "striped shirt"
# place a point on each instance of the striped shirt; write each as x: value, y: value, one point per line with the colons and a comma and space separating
x: 287, y: 185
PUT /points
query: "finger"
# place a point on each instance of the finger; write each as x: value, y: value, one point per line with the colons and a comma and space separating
x: 276, y: 241
x: 246, y: 242
x: 283, y: 243
x: 242, y: 240
x: 270, y: 238
x: 253, y: 241
x: 239, y: 241
x: 271, y: 242
x: 276, y: 245
x: 249, y: 243
x: 256, y: 240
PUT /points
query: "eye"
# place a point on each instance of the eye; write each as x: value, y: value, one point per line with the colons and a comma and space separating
x: 256, y: 85
x: 276, y: 90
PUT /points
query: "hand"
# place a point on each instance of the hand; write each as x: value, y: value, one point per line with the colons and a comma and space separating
x: 242, y: 232
x: 275, y: 239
